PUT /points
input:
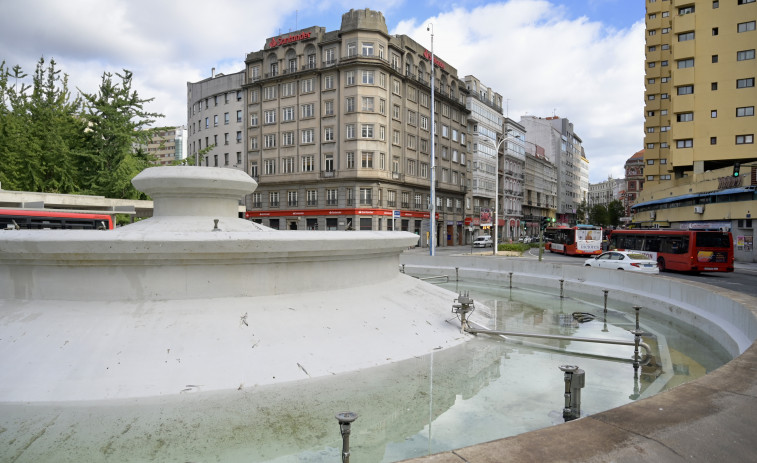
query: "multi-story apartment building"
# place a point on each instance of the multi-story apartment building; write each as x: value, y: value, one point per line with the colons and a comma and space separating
x: 699, y: 116
x: 215, y: 121
x: 485, y: 127
x: 605, y: 192
x: 562, y: 147
x: 634, y: 169
x: 513, y: 179
x: 339, y: 132
x: 540, y: 199
x: 168, y: 145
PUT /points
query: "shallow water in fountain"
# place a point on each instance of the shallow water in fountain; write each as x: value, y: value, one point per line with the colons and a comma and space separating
x: 483, y: 390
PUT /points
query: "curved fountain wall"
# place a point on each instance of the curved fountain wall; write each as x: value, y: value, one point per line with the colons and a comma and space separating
x: 708, y: 419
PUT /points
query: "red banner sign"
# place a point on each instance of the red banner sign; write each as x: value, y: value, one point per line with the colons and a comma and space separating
x: 276, y: 41
x: 427, y: 55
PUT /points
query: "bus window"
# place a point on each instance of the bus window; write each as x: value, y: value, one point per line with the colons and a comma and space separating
x: 713, y: 240
x: 651, y: 244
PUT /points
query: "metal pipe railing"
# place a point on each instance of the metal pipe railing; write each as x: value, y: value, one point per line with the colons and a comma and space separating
x: 620, y: 342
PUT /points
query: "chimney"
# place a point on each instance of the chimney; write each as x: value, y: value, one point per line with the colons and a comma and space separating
x: 212, y: 73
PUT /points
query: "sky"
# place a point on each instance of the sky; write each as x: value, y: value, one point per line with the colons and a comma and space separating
x: 578, y: 59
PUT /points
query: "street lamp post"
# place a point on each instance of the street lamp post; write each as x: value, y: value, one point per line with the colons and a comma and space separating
x: 432, y: 218
x: 496, y: 194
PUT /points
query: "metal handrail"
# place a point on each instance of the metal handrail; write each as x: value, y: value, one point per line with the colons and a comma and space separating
x: 643, y: 345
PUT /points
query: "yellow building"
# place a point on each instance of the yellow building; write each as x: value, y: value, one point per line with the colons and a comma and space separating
x: 699, y: 117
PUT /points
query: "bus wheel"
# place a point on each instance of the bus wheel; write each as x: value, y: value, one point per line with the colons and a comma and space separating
x: 661, y: 263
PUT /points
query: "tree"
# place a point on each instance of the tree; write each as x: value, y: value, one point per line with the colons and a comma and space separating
x: 598, y: 215
x: 117, y: 122
x: 581, y: 212
x: 615, y: 211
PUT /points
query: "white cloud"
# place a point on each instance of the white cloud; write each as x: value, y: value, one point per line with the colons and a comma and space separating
x: 526, y: 50
x: 545, y: 64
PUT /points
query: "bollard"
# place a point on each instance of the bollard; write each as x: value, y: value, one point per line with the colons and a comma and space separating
x: 511, y: 280
x: 561, y: 288
x: 575, y: 380
x: 606, y: 291
x: 403, y: 268
x: 457, y: 276
x: 345, y: 422
x: 636, y: 339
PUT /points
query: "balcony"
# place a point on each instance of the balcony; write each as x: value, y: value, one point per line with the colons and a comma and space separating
x: 292, y: 203
x: 312, y: 202
x: 331, y: 202
x: 397, y: 176
x: 328, y: 174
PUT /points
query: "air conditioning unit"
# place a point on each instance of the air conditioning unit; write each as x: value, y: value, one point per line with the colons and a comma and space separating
x: 698, y: 209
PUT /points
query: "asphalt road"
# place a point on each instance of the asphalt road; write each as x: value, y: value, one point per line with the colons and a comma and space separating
x: 743, y: 279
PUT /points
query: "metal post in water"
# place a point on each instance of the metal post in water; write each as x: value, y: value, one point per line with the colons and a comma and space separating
x: 561, y: 288
x: 403, y: 268
x: 345, y: 422
x: 636, y: 339
x: 575, y: 380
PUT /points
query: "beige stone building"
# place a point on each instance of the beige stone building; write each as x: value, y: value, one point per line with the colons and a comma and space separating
x: 338, y: 128
x: 699, y: 105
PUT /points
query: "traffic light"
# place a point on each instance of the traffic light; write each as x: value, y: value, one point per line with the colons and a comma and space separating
x: 736, y: 167
x: 544, y: 222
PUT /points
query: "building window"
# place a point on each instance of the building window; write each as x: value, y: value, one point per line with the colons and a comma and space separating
x: 329, y: 55
x: 269, y: 166
x: 368, y: 104
x: 270, y: 117
x: 351, y: 49
x: 684, y: 117
x: 307, y: 136
x: 745, y: 27
x: 291, y: 198
x: 366, y: 196
x: 744, y: 55
x: 715, y: 31
x: 349, y: 78
x: 287, y: 165
x: 306, y: 86
x: 270, y: 141
x: 366, y: 131
x: 713, y: 140
x: 239, y: 116
x: 685, y: 143
x: 367, y: 160
x: 287, y: 139
x: 685, y: 63
x: 332, y: 196
x: 254, y: 119
x: 328, y: 134
x: 714, y: 113
x: 269, y: 92
x: 273, y: 199
x: 350, y: 104
x: 744, y: 139
x: 307, y: 163
x: 287, y: 89
x: 686, y: 36
x: 328, y: 82
x: 745, y: 111
x: 328, y: 108
x: 287, y: 114
x: 685, y: 90
x: 744, y: 2
x: 686, y: 10
x: 350, y: 131
x: 368, y: 77
x: 350, y: 160
x: 745, y: 83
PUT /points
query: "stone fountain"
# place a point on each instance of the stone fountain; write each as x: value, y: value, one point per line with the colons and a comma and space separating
x: 197, y: 299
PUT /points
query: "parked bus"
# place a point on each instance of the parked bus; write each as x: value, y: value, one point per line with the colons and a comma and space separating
x: 29, y: 219
x: 581, y: 240
x: 683, y: 250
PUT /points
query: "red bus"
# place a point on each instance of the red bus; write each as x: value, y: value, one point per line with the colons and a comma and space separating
x: 581, y: 240
x: 30, y: 219
x: 683, y: 250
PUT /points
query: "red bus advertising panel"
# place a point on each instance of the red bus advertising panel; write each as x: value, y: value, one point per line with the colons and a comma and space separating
x: 682, y: 250
x: 27, y: 219
x: 581, y: 240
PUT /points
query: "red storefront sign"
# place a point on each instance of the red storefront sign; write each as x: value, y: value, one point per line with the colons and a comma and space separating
x: 427, y: 55
x: 276, y: 41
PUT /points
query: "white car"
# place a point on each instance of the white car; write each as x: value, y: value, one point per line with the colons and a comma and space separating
x: 621, y: 260
x: 483, y: 242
